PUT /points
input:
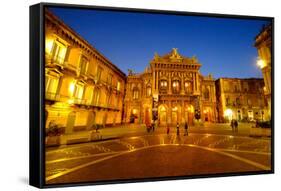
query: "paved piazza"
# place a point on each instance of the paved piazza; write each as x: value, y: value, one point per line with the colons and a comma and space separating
x: 157, y: 155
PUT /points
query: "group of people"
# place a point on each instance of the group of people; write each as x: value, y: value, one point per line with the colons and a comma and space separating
x: 178, y: 129
x: 151, y: 127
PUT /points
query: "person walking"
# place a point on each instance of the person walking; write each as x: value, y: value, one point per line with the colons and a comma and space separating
x: 232, y: 125
x: 178, y: 128
x: 168, y: 129
x: 236, y: 126
x: 185, y: 129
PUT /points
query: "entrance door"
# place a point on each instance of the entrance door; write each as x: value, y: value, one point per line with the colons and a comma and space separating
x: 174, y: 117
x: 162, y: 115
x: 70, y: 122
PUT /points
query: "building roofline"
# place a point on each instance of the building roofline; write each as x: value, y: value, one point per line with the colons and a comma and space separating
x: 61, y: 23
x: 227, y: 78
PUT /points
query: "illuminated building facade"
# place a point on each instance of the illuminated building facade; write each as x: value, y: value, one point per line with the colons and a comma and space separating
x: 263, y: 43
x: 241, y: 99
x: 82, y: 87
x: 172, y: 89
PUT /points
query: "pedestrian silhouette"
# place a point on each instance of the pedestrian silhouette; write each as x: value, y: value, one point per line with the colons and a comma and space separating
x: 236, y: 125
x: 168, y: 129
x: 232, y: 125
x: 185, y: 129
x: 178, y: 129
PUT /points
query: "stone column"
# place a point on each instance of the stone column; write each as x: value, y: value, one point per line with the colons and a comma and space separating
x: 194, y: 83
x: 153, y: 80
x: 170, y: 84
x: 197, y: 82
x: 182, y: 85
x: 157, y: 77
x: 169, y: 113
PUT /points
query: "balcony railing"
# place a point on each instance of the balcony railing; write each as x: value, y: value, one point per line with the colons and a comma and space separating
x: 59, y: 61
x: 56, y: 97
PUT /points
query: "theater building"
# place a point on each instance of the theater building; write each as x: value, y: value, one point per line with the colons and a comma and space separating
x: 172, y: 89
x: 82, y: 87
x: 241, y: 99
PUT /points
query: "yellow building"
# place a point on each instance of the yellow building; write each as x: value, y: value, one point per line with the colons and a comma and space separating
x: 82, y: 87
x: 241, y: 99
x: 263, y: 42
x: 172, y: 89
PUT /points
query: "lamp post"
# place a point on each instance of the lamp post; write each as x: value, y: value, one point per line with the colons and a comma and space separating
x: 261, y: 63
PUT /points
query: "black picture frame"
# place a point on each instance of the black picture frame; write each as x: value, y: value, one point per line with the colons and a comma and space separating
x: 37, y: 94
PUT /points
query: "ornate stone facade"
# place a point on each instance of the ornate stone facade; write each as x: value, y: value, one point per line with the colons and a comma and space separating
x: 172, y: 90
x: 263, y: 42
x: 241, y: 99
x: 82, y: 87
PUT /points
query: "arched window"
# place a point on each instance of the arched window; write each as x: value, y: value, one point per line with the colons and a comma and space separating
x: 148, y: 90
x: 176, y: 86
x: 163, y: 86
x: 206, y: 93
x: 135, y: 93
x: 187, y: 87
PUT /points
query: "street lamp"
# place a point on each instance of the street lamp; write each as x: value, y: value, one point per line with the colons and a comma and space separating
x: 261, y: 63
x: 228, y: 113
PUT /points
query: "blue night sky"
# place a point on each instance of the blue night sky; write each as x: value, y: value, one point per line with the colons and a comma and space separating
x: 224, y: 47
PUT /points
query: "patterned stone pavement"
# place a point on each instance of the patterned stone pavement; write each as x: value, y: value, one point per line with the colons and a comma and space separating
x: 202, y: 154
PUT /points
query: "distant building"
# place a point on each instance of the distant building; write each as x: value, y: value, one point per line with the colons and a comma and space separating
x: 241, y: 99
x: 263, y: 42
x: 171, y: 90
x: 82, y: 87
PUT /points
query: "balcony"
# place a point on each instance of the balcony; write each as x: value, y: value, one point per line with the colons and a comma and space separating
x: 50, y: 60
x: 55, y: 97
x: 59, y: 61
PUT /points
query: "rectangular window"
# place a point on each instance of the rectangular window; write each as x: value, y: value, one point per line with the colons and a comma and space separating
x: 79, y: 91
x: 109, y: 79
x: 83, y: 65
x: 99, y: 72
x: 58, y: 52
x: 227, y: 101
x: 118, y: 86
x: 51, y: 84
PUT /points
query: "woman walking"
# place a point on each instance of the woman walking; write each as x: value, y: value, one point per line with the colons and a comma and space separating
x: 178, y: 129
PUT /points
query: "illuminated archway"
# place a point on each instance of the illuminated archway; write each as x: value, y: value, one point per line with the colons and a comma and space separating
x: 176, y: 114
x: 207, y: 114
x: 188, y: 114
x: 162, y: 112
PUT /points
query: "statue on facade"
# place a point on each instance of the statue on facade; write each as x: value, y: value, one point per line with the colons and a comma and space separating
x: 156, y: 56
x: 194, y: 59
x: 130, y: 72
x: 175, y: 54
